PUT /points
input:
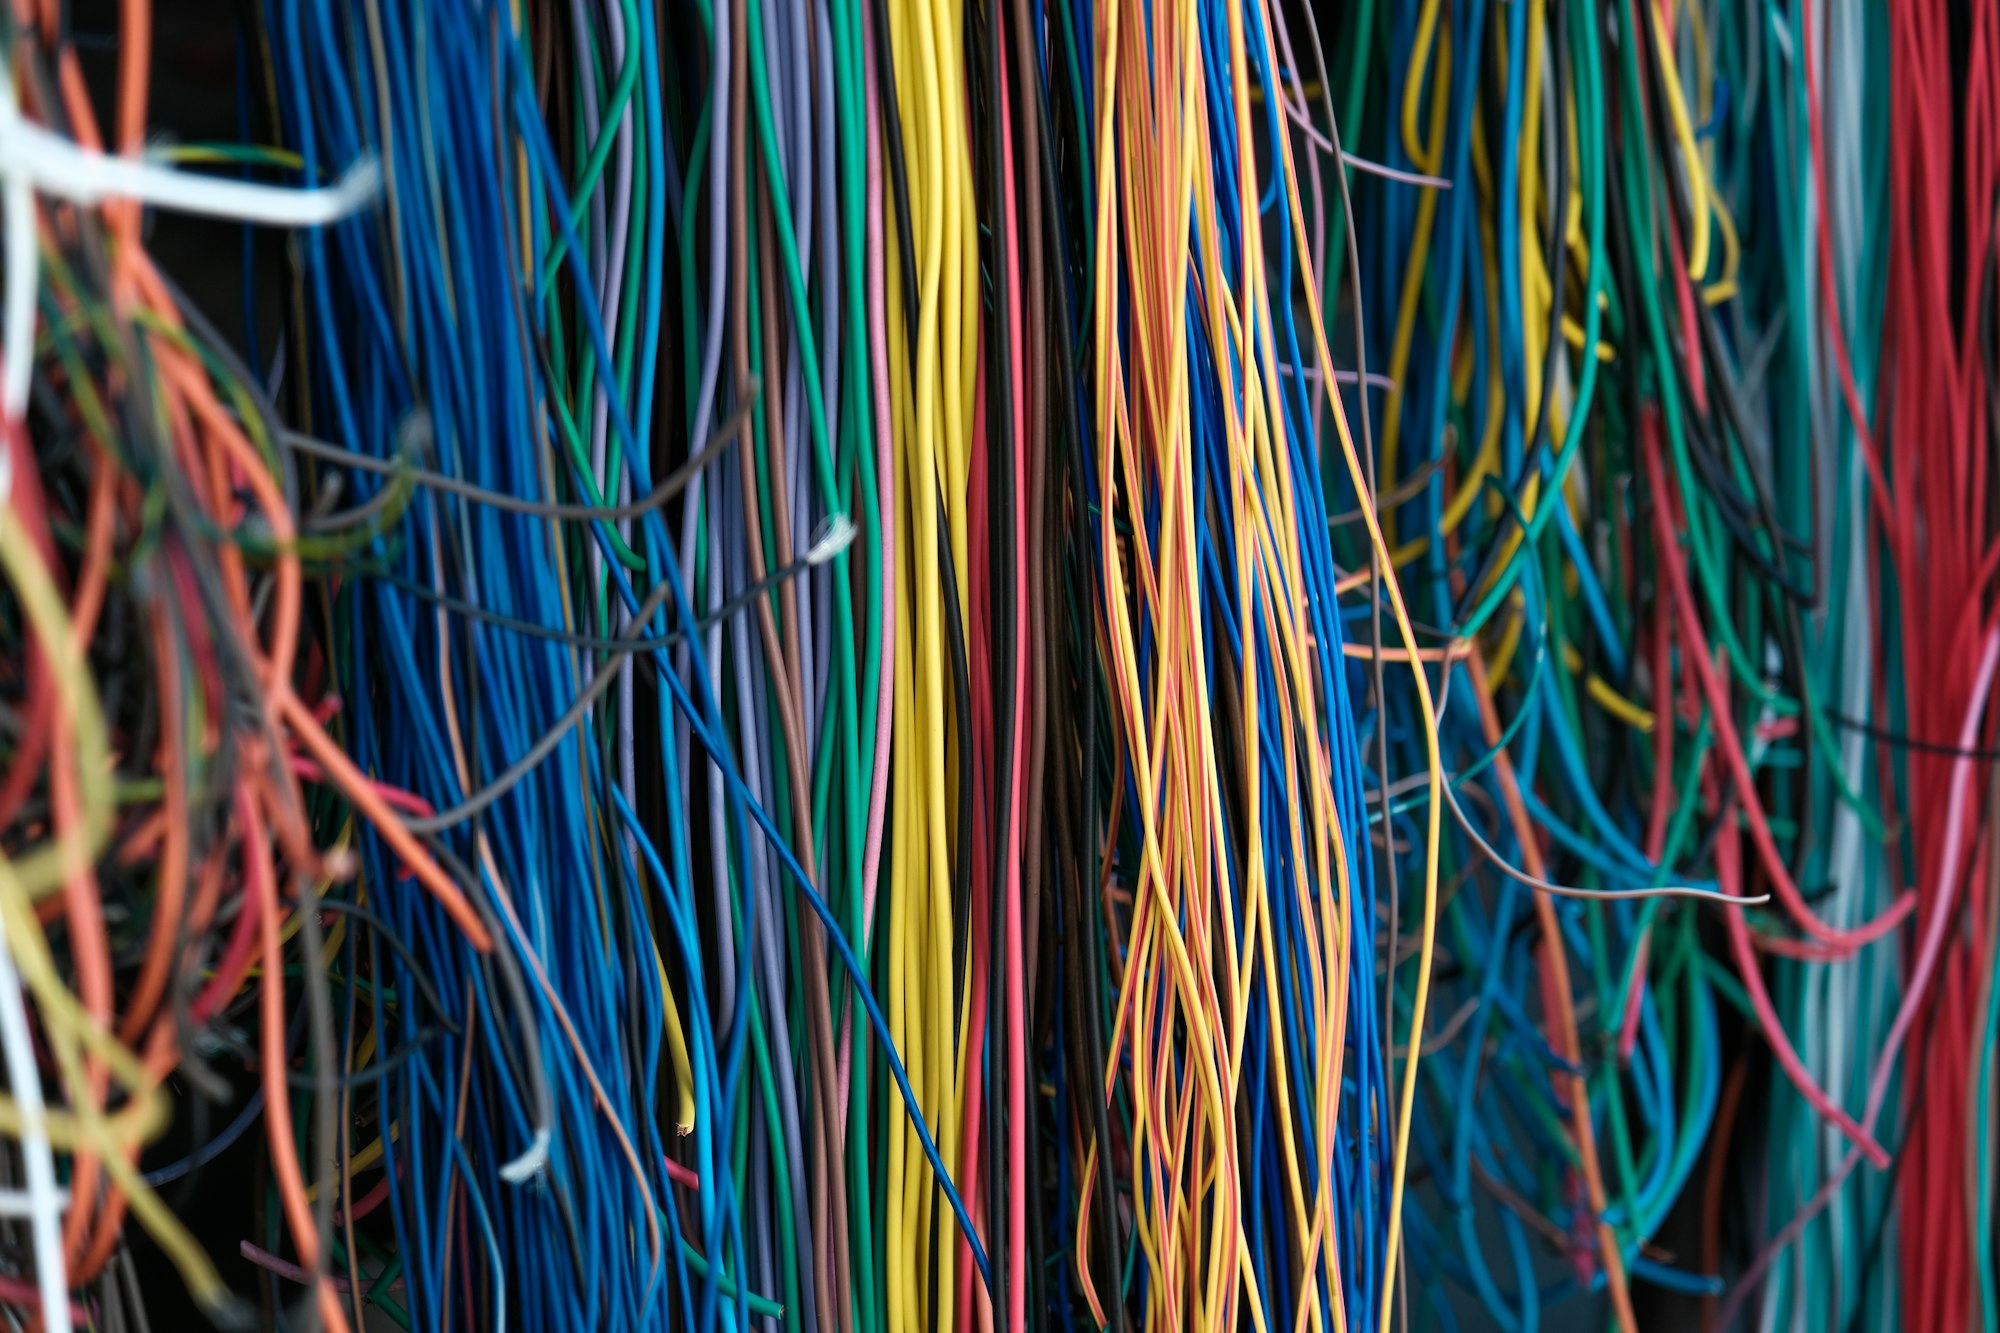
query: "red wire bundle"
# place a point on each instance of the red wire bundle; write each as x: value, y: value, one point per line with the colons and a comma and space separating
x: 1934, y: 416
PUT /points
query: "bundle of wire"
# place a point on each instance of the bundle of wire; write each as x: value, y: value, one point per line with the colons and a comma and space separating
x: 890, y: 664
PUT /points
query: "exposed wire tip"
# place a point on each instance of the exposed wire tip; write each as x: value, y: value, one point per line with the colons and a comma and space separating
x: 530, y: 1163
x: 835, y: 535
x: 226, y: 1310
x: 414, y: 434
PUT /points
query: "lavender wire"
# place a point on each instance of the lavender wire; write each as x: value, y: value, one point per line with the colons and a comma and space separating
x: 751, y: 683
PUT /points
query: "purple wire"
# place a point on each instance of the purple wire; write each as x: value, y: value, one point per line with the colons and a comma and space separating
x: 711, y: 360
x: 753, y: 758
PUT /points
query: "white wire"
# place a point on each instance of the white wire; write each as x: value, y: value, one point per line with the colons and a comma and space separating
x: 530, y: 1163
x: 45, y: 1200
x: 836, y: 533
x: 1843, y: 1020
x: 33, y: 158
x: 61, y: 168
x: 1514, y: 872
x: 17, y: 320
x: 21, y: 1203
x: 17, y: 358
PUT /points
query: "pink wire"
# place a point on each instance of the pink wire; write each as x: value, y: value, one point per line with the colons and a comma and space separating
x: 972, y: 1178
x: 366, y: 1204
x: 395, y: 797
x: 680, y: 1175
x: 1728, y: 875
x: 1954, y: 842
x: 885, y: 464
x: 13, y: 1291
x: 288, y: 1270
x: 1389, y: 173
x: 1017, y: 1004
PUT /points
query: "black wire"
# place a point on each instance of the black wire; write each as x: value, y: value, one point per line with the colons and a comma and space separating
x: 590, y: 642
x: 517, y: 771
x: 1905, y: 742
x: 313, y: 1081
x: 1556, y: 260
x: 1716, y: 469
x: 1734, y: 509
x: 401, y: 947
x: 225, y: 351
x: 526, y: 1068
x: 899, y: 176
x: 1089, y: 1015
x: 416, y: 442
x: 961, y: 703
x: 1729, y: 395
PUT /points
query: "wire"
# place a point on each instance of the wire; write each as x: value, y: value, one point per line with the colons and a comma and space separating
x: 592, y: 835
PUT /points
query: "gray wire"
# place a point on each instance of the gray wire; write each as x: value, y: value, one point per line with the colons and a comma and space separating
x: 1513, y: 872
x: 135, y: 1294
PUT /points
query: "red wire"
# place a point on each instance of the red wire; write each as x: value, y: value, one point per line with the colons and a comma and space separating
x: 1937, y: 433
x: 1695, y: 654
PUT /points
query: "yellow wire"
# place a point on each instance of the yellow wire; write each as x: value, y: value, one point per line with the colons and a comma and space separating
x: 931, y: 393
x: 114, y: 1138
x: 1691, y: 157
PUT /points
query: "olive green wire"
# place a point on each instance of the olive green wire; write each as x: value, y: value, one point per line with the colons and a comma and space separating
x: 1589, y: 122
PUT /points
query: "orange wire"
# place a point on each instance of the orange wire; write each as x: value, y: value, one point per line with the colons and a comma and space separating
x: 277, y: 1095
